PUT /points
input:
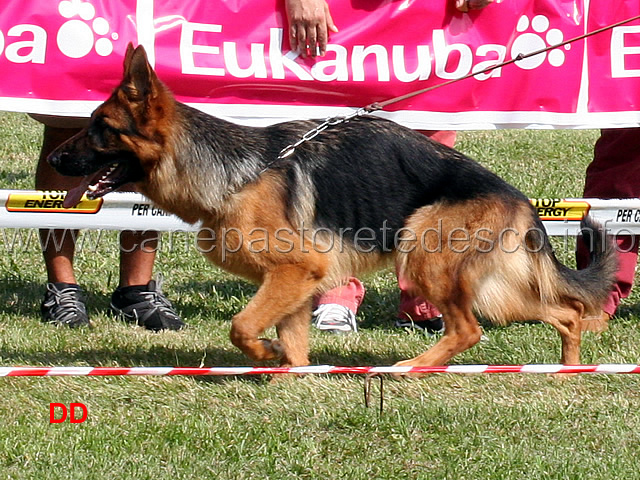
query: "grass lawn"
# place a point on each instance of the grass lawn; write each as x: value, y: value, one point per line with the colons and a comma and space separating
x: 441, y: 427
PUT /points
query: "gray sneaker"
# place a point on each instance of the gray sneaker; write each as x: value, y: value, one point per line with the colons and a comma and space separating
x: 334, y: 318
x: 64, y: 304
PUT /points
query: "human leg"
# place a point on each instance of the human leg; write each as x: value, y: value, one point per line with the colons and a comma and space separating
x: 64, y: 300
x: 138, y: 298
x: 58, y: 246
x: 614, y: 173
x: 335, y: 311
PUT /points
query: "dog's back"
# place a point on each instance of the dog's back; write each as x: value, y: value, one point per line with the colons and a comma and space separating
x: 371, y: 174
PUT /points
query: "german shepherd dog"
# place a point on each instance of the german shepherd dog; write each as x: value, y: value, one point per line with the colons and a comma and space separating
x: 357, y: 197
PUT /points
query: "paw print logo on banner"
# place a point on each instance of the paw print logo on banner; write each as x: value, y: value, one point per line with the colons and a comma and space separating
x: 530, y: 42
x: 77, y: 36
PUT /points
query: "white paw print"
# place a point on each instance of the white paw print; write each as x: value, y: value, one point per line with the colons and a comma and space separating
x: 76, y: 36
x: 531, y: 42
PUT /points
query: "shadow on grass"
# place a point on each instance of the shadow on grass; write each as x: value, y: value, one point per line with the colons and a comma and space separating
x: 228, y: 297
x: 630, y: 310
x: 162, y: 356
x: 127, y: 357
x: 19, y: 296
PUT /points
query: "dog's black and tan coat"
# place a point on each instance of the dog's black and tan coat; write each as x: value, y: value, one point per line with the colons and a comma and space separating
x: 359, y: 196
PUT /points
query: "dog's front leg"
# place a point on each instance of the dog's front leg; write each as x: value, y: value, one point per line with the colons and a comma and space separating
x: 284, y: 299
x: 293, y: 332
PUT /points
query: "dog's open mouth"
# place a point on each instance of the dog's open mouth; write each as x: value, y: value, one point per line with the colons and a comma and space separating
x: 99, y: 184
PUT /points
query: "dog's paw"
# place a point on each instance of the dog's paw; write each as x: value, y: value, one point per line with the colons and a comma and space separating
x: 407, y: 363
x: 272, y: 349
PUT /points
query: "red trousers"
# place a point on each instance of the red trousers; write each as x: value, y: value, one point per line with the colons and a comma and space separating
x: 615, y: 173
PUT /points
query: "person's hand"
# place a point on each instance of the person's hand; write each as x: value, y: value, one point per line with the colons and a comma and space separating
x: 309, y: 25
x: 466, y: 5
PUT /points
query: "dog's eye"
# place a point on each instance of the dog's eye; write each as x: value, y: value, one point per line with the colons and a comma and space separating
x: 101, y: 134
x: 99, y: 138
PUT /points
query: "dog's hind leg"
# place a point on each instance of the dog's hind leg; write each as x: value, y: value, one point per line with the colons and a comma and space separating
x: 285, y: 292
x: 461, y: 333
x: 567, y: 319
x: 461, y: 329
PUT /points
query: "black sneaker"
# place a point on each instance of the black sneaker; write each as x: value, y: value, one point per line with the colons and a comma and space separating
x: 432, y: 326
x: 146, y: 306
x: 64, y: 304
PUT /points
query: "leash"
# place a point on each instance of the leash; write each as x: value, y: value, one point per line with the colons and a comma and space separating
x: 376, y: 106
x: 381, y: 105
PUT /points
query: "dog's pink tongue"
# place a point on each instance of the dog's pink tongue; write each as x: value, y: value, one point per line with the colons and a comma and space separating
x: 74, y: 195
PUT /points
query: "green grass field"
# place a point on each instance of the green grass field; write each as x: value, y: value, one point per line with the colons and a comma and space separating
x: 316, y: 427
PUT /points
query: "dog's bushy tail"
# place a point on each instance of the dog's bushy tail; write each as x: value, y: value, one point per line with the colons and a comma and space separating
x: 594, y: 283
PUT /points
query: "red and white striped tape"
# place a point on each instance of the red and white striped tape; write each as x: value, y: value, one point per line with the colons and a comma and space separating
x: 610, y: 368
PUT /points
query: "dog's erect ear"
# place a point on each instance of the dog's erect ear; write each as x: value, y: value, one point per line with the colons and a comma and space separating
x: 140, y: 80
x: 127, y: 56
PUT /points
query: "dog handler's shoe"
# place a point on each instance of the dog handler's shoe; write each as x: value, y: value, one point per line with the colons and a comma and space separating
x: 146, y: 306
x: 432, y: 326
x: 64, y: 304
x: 334, y: 318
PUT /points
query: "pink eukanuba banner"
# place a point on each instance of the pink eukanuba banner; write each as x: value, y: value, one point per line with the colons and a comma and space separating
x: 231, y: 58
